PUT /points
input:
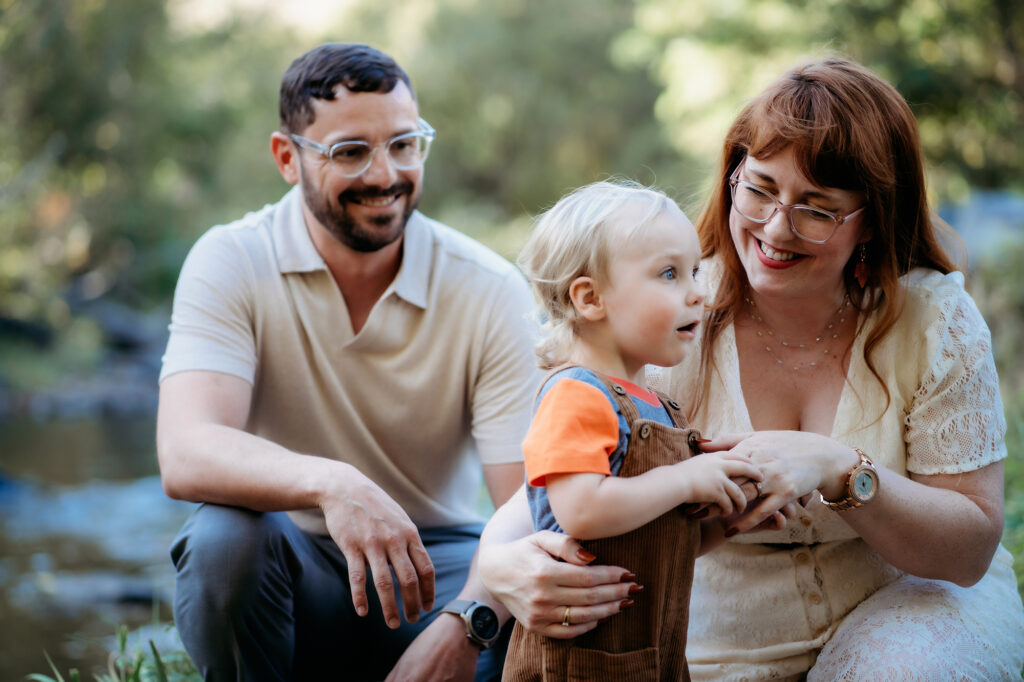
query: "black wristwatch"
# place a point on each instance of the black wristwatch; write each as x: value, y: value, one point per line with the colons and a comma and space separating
x: 480, y: 620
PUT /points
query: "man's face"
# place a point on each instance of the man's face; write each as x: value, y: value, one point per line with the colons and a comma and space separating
x: 368, y: 212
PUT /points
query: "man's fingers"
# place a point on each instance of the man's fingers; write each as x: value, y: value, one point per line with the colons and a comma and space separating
x: 357, y: 580
x: 425, y: 570
x: 385, y: 588
x: 408, y: 584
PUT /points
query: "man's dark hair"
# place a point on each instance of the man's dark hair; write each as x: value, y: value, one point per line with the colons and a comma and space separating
x: 316, y: 74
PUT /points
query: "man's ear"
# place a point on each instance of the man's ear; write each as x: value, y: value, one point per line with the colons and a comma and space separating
x: 285, y: 157
x: 586, y: 298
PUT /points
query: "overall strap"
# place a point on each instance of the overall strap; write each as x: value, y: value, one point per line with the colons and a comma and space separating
x: 626, y: 405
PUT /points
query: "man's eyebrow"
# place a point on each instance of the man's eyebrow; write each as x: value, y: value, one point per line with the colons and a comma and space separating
x: 362, y: 138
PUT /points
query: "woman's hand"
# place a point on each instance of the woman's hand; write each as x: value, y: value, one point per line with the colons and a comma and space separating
x: 528, y: 578
x: 794, y: 464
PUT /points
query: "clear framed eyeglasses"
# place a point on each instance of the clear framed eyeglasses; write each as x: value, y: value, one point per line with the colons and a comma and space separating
x: 352, y: 158
x: 808, y: 223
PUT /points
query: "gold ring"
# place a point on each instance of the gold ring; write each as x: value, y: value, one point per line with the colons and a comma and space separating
x: 565, y: 617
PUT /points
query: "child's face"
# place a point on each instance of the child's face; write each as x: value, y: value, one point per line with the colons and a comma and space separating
x: 653, y: 302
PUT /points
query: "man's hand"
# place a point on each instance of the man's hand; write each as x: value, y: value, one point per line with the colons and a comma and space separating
x: 441, y: 652
x: 371, y: 529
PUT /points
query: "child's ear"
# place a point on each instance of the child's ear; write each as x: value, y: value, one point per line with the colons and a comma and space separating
x: 586, y: 299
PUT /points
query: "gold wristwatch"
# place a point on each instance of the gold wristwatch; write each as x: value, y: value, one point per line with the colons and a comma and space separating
x: 861, y: 486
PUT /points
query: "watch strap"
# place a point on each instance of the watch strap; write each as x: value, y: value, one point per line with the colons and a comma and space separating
x: 458, y: 606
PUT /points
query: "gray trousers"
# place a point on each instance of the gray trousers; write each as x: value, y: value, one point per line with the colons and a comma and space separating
x: 257, y: 598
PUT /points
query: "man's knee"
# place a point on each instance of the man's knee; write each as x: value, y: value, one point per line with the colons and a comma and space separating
x: 222, y: 551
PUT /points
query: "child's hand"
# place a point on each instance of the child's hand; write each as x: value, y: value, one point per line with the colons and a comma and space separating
x: 713, y: 480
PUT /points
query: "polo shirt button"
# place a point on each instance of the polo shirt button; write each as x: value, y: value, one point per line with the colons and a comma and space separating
x: 806, y: 520
x: 645, y: 430
x: 618, y: 389
x: 814, y: 598
x: 673, y: 404
x: 803, y: 558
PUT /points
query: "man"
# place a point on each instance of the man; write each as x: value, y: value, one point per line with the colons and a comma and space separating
x: 342, y: 358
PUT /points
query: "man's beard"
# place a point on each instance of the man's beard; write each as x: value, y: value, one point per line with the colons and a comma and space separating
x: 363, y: 236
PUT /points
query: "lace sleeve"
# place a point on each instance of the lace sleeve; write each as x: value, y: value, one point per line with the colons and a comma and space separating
x: 955, y: 422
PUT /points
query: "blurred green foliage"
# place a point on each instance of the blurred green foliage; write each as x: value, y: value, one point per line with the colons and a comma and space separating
x: 127, y: 130
x: 998, y: 287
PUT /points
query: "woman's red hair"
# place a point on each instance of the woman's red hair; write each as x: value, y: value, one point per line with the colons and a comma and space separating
x: 849, y: 129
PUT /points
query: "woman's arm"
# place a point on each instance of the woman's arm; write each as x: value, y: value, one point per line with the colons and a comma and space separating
x: 940, y: 526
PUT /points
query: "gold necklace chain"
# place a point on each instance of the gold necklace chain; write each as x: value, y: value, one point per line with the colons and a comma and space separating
x: 820, y: 345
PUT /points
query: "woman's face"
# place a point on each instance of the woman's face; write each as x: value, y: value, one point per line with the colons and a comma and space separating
x: 777, y: 262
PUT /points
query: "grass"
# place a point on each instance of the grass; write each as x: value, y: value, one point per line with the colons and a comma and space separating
x: 141, y: 664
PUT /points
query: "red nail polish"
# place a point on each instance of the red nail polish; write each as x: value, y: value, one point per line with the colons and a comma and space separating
x: 584, y: 555
x: 702, y: 440
x: 730, y: 532
x: 625, y: 604
x: 627, y: 577
x: 701, y: 514
x: 636, y: 589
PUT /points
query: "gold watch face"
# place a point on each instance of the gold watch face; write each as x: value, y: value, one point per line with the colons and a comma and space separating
x: 864, y: 485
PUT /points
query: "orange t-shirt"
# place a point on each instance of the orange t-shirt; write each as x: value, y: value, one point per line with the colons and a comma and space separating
x: 576, y: 440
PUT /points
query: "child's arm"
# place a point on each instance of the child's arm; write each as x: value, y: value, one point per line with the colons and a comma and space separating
x: 589, y: 506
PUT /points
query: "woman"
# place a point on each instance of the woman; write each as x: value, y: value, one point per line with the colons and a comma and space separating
x: 840, y: 344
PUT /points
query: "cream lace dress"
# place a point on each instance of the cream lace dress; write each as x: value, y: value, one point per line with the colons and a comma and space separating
x: 814, y: 599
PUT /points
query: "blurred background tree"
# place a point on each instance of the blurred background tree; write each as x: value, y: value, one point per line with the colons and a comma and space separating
x: 127, y: 131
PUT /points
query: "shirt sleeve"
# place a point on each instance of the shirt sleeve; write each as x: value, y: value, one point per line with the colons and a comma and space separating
x: 574, y: 430
x: 507, y: 374
x: 212, y: 317
x: 955, y: 422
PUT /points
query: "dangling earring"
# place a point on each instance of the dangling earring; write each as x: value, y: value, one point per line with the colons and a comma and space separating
x: 860, y: 271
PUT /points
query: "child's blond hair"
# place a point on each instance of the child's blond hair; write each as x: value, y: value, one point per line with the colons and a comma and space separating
x: 574, y: 238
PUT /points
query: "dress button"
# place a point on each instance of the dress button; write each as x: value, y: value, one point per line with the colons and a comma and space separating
x: 645, y: 430
x: 814, y: 598
x: 673, y: 404
x: 806, y: 520
x: 618, y: 389
x: 803, y: 559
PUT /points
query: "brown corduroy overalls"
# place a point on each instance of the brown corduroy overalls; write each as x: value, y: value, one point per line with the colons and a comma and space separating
x: 648, y: 641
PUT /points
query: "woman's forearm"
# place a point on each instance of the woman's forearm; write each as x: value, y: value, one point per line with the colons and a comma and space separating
x: 943, y: 526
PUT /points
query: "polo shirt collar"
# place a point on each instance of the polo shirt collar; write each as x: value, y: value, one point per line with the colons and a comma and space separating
x: 296, y: 252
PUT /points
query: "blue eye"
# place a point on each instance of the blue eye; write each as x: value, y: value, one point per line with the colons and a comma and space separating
x: 668, y: 273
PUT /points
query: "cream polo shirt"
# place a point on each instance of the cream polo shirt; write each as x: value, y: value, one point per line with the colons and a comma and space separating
x: 438, y: 381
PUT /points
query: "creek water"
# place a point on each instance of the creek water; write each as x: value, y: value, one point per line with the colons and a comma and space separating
x: 84, y: 533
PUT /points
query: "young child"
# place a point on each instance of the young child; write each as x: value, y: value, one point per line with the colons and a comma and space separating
x: 609, y: 461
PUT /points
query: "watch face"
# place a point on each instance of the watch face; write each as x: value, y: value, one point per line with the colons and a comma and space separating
x: 484, y: 622
x: 864, y: 485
